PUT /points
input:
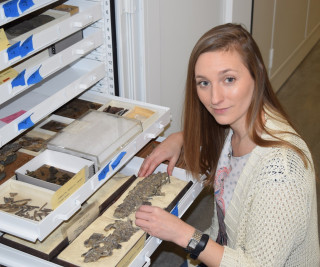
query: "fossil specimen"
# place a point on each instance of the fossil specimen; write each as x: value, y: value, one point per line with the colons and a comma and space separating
x: 32, y: 143
x: 76, y: 108
x: 54, y: 126
x: 141, y: 194
x: 22, y: 209
x: 102, y: 246
x: 7, y: 156
x: 115, y: 110
x: 2, y: 172
x: 51, y: 174
x: 8, y: 153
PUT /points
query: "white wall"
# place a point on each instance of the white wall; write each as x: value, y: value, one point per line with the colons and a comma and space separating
x: 285, y: 31
x: 164, y: 33
x: 179, y: 25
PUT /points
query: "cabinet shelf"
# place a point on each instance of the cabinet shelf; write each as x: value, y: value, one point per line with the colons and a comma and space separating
x: 43, y: 36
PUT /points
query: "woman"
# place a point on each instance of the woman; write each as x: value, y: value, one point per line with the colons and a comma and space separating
x: 262, y: 172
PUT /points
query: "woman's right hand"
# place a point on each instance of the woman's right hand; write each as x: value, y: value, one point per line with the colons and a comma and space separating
x: 169, y: 149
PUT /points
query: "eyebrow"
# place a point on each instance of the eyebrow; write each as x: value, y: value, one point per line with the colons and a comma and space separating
x: 220, y: 73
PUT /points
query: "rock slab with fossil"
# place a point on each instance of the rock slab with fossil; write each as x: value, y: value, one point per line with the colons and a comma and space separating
x: 76, y: 252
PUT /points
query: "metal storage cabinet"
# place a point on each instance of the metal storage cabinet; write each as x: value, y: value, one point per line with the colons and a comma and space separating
x: 46, y: 82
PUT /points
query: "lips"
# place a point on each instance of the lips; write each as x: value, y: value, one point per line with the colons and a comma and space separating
x: 220, y: 110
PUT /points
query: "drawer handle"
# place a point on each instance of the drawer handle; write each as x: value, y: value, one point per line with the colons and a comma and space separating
x: 80, y: 24
x: 85, y: 49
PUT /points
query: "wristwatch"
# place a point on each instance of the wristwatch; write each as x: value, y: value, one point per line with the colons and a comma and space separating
x: 194, y: 241
x: 197, y: 243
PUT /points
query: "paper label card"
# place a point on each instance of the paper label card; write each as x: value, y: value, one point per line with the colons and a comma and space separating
x: 4, y: 43
x: 69, y: 188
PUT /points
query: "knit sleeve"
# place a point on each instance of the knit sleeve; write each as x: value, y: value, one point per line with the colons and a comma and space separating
x: 277, y: 209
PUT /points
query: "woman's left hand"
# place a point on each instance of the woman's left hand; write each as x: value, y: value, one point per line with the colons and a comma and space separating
x: 160, y: 223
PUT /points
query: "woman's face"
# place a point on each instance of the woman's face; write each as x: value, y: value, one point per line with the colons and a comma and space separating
x: 224, y: 86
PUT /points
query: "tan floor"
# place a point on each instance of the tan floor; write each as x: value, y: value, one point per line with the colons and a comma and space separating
x: 300, y: 96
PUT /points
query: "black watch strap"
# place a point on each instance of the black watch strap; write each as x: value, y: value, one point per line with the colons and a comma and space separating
x: 200, y: 247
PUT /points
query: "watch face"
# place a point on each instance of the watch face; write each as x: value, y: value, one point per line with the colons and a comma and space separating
x: 193, y: 243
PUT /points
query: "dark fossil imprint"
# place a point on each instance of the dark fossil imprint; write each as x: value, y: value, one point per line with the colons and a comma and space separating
x: 22, y: 209
x: 102, y: 246
x: 141, y: 194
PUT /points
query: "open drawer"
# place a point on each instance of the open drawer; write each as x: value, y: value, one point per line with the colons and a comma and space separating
x: 151, y: 128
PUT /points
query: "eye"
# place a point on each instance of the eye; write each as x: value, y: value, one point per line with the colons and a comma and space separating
x: 230, y: 79
x: 202, y: 84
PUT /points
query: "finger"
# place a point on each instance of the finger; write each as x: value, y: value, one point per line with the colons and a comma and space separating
x: 171, y: 165
x: 144, y: 167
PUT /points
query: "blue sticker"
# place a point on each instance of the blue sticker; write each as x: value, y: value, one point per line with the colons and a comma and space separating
x: 117, y: 160
x: 19, y: 80
x: 35, y: 77
x: 13, y: 51
x: 26, y: 47
x: 25, y: 124
x: 11, y: 9
x: 104, y: 172
x: 25, y: 4
x: 175, y: 210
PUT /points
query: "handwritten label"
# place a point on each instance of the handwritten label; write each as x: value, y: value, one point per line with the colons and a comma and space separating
x: 104, y: 172
x: 25, y: 5
x: 12, y: 117
x: 25, y: 124
x: 69, y: 188
x: 19, y: 80
x: 26, y: 47
x: 117, y: 160
x: 13, y: 51
x: 35, y: 77
x: 11, y: 9
x: 7, y: 75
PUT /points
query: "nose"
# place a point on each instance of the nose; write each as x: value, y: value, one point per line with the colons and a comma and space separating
x: 216, y: 95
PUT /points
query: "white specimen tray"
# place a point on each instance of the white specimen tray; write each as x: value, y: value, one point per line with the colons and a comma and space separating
x: 39, y: 230
x: 57, y: 159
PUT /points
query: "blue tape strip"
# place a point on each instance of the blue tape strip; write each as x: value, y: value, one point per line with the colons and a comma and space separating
x: 104, y: 172
x: 13, y: 51
x: 19, y: 80
x: 25, y: 124
x: 25, y: 5
x: 118, y: 159
x: 35, y: 77
x: 11, y: 9
x: 26, y: 47
x: 175, y: 210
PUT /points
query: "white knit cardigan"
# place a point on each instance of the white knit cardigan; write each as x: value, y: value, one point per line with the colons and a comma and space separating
x: 272, y: 217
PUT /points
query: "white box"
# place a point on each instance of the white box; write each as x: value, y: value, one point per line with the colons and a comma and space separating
x: 96, y: 136
x: 57, y: 159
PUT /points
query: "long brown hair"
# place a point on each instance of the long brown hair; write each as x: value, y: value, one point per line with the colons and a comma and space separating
x: 201, y: 130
